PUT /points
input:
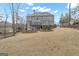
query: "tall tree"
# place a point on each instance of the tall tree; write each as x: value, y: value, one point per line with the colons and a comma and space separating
x: 6, y: 17
x: 61, y: 18
x: 75, y: 13
x: 69, y: 13
x: 13, y: 18
x: 17, y: 15
x: 64, y: 19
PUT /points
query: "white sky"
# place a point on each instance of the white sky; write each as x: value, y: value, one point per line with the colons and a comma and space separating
x: 39, y: 1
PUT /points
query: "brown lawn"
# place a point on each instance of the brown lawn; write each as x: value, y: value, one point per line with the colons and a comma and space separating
x: 60, y: 41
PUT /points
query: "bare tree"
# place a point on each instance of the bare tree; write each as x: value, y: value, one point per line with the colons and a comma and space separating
x: 6, y: 17
x: 75, y: 13
x: 13, y: 19
x: 17, y: 15
x: 69, y: 13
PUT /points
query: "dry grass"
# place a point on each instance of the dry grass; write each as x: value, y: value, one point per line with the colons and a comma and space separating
x: 60, y: 41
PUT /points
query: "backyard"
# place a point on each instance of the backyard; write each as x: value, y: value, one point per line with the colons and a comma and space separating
x: 59, y: 41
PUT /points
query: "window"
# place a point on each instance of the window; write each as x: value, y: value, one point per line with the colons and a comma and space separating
x: 37, y: 18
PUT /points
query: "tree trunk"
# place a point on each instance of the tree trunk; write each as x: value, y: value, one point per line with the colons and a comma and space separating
x: 69, y: 13
x: 13, y: 20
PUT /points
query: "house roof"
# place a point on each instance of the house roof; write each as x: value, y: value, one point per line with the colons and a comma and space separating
x: 41, y: 14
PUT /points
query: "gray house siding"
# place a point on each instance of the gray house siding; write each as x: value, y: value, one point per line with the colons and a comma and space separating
x: 40, y: 19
